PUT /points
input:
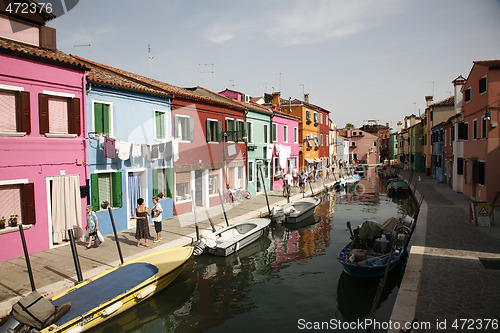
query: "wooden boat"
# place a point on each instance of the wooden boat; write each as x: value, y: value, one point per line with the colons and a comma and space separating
x: 396, y: 186
x: 300, y: 209
x: 367, y: 256
x: 108, y: 294
x: 230, y: 239
x: 346, y: 182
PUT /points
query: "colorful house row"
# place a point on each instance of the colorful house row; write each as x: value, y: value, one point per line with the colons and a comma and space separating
x: 459, y: 136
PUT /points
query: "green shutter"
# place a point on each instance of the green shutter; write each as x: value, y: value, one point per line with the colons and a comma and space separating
x: 105, y: 118
x: 209, y: 131
x: 98, y: 118
x: 176, y: 127
x: 94, y: 190
x: 155, y: 182
x: 116, y: 185
x: 219, y: 131
x: 191, y: 129
x: 170, y: 182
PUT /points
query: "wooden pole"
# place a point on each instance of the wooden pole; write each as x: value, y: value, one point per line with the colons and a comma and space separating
x: 116, y: 235
x: 265, y: 191
x: 27, y: 258
x: 75, y: 255
x: 210, y: 220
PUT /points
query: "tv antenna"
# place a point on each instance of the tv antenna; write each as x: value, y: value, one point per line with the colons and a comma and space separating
x: 149, y: 59
x: 280, y: 79
x: 232, y: 83
x: 86, y: 45
x: 211, y: 71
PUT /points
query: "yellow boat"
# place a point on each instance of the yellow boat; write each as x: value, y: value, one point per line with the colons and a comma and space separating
x: 112, y: 292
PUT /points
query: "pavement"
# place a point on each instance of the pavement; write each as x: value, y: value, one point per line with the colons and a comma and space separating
x: 445, y: 286
x: 54, y: 270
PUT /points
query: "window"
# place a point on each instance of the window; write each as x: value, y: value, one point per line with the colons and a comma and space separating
x: 250, y: 131
x: 460, y: 166
x: 353, y: 144
x: 106, y: 186
x: 321, y: 143
x: 182, y: 186
x: 295, y: 135
x: 315, y: 118
x: 316, y: 142
x: 484, y: 130
x: 276, y: 167
x: 474, y: 129
x: 214, y: 131
x: 102, y: 118
x: 213, y: 181
x: 463, y: 131
x: 231, y: 134
x: 241, y: 177
x: 240, y: 127
x: 18, y: 199
x: 321, y: 118
x: 58, y: 115
x: 453, y: 132
x: 184, y: 128
x: 481, y: 174
x: 482, y: 85
x: 374, y: 143
x: 285, y: 133
x: 275, y: 133
x: 266, y: 169
x: 15, y: 111
x: 266, y: 133
x: 308, y: 142
x: 163, y: 182
x: 467, y: 95
x: 250, y: 171
x: 308, y: 116
x: 161, y: 125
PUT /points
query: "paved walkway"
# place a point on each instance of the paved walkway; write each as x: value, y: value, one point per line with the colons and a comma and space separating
x: 445, y: 283
x: 54, y: 269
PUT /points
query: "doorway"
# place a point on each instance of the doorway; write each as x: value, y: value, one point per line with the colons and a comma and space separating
x: 198, y: 185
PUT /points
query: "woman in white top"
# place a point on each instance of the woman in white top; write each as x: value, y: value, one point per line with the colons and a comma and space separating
x: 156, y: 217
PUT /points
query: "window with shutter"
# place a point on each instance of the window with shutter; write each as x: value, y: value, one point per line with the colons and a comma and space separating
x: 102, y: 118
x: 106, y: 187
x: 160, y: 125
x: 275, y: 132
x: 10, y: 197
x: 28, y: 204
x: 116, y: 189
x: 58, y: 115
x: 182, y: 186
x: 8, y: 111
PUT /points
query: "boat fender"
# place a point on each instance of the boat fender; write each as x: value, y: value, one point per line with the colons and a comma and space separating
x: 237, y: 246
x: 78, y: 328
x: 146, y: 292
x: 110, y: 309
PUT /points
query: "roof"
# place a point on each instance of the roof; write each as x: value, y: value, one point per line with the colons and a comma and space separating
x: 489, y: 63
x: 450, y: 101
x: 33, y: 51
x: 309, y: 105
x: 286, y: 115
x: 195, y: 94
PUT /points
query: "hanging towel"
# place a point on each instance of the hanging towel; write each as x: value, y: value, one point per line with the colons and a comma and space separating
x: 145, y: 151
x: 269, y: 156
x: 136, y: 150
x: 168, y: 150
x: 154, y: 152
x: 175, y: 149
x: 109, y: 148
x: 124, y: 150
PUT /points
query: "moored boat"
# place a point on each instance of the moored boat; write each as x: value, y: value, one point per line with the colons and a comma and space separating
x: 396, y: 186
x: 299, y: 210
x: 232, y: 238
x: 108, y: 294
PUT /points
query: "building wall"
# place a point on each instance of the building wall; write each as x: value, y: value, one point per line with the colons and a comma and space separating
x: 281, y: 122
x: 365, y: 147
x: 35, y: 158
x: 133, y: 121
x: 258, y: 156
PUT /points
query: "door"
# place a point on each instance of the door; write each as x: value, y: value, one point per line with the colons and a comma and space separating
x: 198, y: 184
x: 134, y: 191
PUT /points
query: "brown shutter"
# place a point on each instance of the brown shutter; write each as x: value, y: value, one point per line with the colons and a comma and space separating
x: 74, y: 116
x: 28, y: 203
x: 23, y: 115
x: 43, y: 113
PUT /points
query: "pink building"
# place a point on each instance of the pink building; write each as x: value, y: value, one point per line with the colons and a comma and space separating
x: 285, y: 136
x: 363, y: 146
x: 43, y: 172
x: 480, y: 132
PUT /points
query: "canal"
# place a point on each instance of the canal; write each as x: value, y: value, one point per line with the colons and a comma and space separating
x: 286, y: 281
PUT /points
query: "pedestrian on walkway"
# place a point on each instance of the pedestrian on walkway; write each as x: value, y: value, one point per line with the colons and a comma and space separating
x: 156, y: 213
x: 92, y: 225
x: 302, y: 181
x: 287, y: 183
x: 141, y: 214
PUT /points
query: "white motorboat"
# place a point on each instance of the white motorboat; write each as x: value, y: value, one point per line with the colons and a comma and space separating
x: 300, y: 210
x: 232, y: 238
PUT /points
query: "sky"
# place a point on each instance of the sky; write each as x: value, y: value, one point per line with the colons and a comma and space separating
x: 361, y: 60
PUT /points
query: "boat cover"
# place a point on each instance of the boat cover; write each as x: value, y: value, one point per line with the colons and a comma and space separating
x: 370, y: 230
x: 104, y: 289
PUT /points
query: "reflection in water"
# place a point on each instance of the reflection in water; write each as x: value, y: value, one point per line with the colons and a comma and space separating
x: 288, y: 274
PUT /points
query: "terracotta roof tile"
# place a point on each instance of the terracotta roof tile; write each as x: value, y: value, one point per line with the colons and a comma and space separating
x: 38, y: 52
x: 489, y: 63
x: 445, y: 102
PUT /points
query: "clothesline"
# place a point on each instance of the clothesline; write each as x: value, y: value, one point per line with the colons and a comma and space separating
x: 165, y: 150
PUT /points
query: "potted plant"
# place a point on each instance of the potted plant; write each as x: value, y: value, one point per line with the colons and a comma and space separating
x: 105, y: 204
x: 13, y: 220
x: 160, y: 195
x: 2, y: 223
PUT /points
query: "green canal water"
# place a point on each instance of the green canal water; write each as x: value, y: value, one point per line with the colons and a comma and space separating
x: 287, y: 281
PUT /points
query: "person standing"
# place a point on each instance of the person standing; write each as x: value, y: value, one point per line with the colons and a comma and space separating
x: 157, y: 218
x: 141, y: 214
x: 92, y: 225
x: 302, y: 181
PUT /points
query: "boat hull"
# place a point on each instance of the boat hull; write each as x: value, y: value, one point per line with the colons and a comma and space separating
x: 368, y: 270
x: 168, y: 270
x: 306, y: 209
x: 227, y: 247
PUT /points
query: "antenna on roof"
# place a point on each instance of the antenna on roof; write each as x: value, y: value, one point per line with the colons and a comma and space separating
x: 232, y: 83
x: 280, y: 79
x: 149, y: 59
x: 212, y: 72
x: 85, y: 45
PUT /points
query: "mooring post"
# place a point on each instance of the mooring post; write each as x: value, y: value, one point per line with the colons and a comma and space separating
x: 116, y: 235
x: 75, y: 255
x: 27, y: 258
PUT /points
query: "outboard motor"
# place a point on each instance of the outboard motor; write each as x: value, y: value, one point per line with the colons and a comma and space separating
x: 199, y: 247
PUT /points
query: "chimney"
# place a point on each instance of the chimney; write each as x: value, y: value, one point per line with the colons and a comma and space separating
x: 276, y: 100
x: 306, y: 98
x: 428, y: 100
x: 458, y: 84
x: 399, y: 126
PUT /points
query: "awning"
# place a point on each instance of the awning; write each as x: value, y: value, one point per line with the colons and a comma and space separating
x: 317, y: 160
x: 310, y: 160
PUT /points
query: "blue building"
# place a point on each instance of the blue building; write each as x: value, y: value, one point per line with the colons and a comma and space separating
x: 437, y: 161
x: 129, y: 147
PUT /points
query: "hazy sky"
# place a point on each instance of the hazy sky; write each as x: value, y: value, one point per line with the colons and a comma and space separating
x: 359, y: 59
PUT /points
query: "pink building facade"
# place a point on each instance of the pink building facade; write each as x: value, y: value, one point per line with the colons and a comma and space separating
x: 42, y: 131
x: 285, y: 137
x: 363, y: 146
